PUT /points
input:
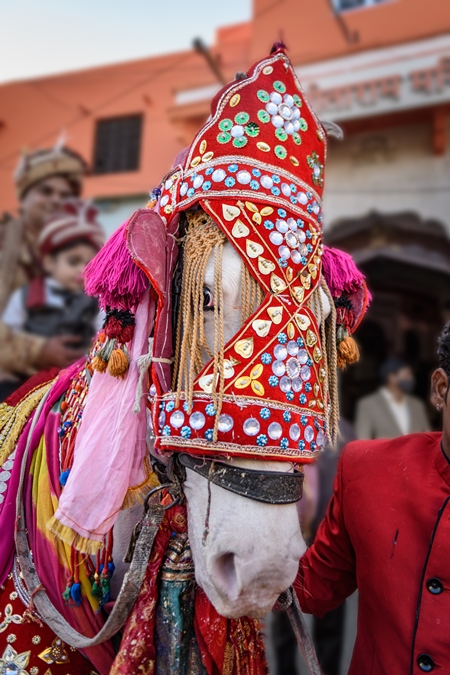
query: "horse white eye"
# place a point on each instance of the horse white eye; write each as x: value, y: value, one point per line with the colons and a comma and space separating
x: 208, y: 300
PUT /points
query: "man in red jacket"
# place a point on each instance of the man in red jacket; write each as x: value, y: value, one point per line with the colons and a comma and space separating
x: 387, y: 533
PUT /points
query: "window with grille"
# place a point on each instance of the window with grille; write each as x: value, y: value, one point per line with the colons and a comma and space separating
x: 343, y: 5
x: 117, y: 144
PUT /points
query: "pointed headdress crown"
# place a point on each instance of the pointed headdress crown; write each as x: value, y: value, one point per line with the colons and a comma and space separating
x: 261, y: 156
x: 257, y: 169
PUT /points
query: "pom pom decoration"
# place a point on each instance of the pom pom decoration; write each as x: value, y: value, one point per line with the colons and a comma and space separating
x: 99, y: 364
x: 127, y: 334
x: 340, y: 272
x: 351, y: 298
x: 347, y: 352
x: 113, y: 276
x: 66, y: 592
x: 119, y: 324
x: 75, y: 593
x: 113, y: 356
x: 118, y: 363
x: 96, y: 588
x: 113, y: 327
x: 63, y: 477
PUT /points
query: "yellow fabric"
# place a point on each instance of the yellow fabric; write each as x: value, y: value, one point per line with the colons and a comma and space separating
x: 72, y: 538
x: 137, y: 494
x: 46, y: 504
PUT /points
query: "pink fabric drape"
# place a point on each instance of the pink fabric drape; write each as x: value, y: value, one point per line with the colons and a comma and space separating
x: 110, y: 446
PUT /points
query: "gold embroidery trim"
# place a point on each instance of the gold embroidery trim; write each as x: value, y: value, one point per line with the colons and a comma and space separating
x: 14, y: 419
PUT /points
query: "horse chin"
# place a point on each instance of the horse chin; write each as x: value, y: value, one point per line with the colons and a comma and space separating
x: 252, y: 605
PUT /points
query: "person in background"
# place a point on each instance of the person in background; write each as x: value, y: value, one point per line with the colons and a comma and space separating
x: 54, y: 303
x: 392, y: 411
x: 44, y: 180
x: 386, y: 532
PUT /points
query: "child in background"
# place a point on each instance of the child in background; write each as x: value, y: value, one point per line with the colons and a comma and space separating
x: 55, y: 303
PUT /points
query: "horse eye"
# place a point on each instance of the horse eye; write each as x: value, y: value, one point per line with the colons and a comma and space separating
x: 208, y: 300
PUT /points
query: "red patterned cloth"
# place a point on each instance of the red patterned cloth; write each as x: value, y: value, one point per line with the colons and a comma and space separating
x: 227, y: 647
x: 30, y: 647
x: 137, y: 650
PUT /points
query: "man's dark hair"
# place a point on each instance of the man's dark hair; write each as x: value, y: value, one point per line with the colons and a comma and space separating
x: 443, y: 350
x: 390, y: 367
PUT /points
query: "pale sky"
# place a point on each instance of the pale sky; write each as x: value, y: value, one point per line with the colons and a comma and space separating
x: 42, y: 37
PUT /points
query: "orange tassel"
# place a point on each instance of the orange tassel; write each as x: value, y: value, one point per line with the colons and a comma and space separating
x: 347, y: 352
x: 99, y: 364
x: 118, y: 363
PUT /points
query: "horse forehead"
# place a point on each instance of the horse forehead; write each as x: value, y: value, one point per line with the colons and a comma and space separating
x: 231, y: 269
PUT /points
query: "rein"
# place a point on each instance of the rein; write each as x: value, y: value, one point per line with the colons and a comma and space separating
x: 264, y: 486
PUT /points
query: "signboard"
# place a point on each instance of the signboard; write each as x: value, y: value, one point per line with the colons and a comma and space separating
x: 380, y: 81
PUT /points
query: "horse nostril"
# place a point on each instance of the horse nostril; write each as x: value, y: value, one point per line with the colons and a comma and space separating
x: 225, y: 575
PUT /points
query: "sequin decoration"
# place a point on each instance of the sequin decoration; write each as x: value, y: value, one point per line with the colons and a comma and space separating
x: 275, y: 431
x: 197, y: 420
x: 5, y: 475
x: 283, y: 111
x: 251, y: 426
x: 177, y: 419
x: 294, y: 432
x: 56, y: 653
x: 317, y: 168
x: 9, y: 618
x: 226, y: 423
x: 12, y: 662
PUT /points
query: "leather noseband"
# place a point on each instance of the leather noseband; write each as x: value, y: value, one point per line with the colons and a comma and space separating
x: 270, y: 487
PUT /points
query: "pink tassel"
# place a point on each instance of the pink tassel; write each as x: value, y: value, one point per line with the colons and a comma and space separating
x: 113, y: 277
x: 340, y: 272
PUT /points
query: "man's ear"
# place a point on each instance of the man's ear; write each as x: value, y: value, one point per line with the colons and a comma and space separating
x: 439, y: 388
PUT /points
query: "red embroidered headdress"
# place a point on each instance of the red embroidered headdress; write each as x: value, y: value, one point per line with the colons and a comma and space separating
x: 257, y: 169
x: 254, y: 177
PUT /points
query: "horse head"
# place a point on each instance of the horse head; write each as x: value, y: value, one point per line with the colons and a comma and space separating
x: 250, y: 551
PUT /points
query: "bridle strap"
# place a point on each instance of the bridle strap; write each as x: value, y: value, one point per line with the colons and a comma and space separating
x: 270, y: 487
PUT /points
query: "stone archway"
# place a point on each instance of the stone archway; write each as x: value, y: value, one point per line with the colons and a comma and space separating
x: 407, y: 264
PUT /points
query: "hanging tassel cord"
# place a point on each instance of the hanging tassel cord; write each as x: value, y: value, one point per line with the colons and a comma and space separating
x: 143, y: 363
